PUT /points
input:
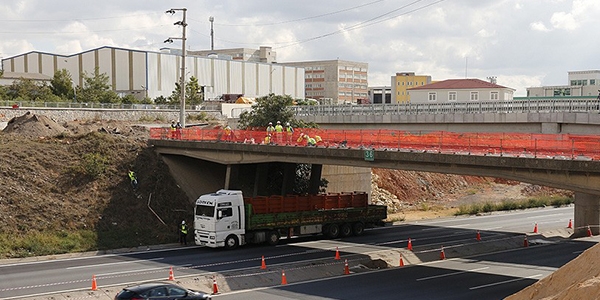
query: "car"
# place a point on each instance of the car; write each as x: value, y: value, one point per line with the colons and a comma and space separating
x: 159, y: 290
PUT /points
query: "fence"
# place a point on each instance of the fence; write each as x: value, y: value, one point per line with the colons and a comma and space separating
x: 564, y: 146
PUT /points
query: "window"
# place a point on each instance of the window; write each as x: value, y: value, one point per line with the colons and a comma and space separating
x: 494, y: 96
x: 226, y: 212
x: 474, y: 96
x: 175, y: 291
x: 205, y: 211
x: 432, y: 96
x: 573, y: 82
x: 592, y: 81
x: 451, y: 96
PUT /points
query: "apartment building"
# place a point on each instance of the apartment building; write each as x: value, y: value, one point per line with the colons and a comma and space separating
x: 403, y: 81
x: 345, y: 82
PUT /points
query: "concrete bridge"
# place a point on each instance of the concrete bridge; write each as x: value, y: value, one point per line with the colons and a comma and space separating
x: 205, y: 166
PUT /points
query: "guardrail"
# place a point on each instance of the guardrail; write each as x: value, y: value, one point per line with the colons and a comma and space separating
x: 552, y: 146
x: 93, y: 105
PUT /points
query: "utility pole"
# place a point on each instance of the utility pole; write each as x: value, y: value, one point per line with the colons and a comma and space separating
x: 212, y: 33
x: 183, y: 25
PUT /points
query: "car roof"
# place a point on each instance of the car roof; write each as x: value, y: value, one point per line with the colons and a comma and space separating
x: 146, y: 286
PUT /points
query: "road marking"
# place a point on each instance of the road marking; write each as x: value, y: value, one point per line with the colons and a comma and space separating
x: 451, y: 274
x: 115, y: 263
x: 503, y: 282
x: 544, y: 216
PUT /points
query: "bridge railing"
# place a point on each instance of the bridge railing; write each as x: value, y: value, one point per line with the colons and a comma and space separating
x: 561, y: 146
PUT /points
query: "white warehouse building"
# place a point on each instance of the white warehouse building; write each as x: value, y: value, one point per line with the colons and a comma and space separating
x: 153, y: 74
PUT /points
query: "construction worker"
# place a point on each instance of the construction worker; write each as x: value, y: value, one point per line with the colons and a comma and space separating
x: 133, y: 179
x: 183, y: 230
x: 279, y: 132
x: 267, y: 140
x: 290, y: 131
x: 270, y: 128
x: 228, y: 133
x: 310, y: 141
x: 178, y: 128
x: 173, y: 129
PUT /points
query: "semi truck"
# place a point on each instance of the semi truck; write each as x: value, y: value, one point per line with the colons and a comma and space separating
x: 228, y: 219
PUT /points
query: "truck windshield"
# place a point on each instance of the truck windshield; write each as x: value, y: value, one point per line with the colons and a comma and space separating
x: 205, y: 211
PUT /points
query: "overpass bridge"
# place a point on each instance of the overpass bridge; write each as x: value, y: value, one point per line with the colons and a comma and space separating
x: 564, y: 161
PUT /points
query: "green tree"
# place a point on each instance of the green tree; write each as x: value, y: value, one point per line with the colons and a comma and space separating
x: 271, y: 108
x: 129, y: 99
x: 96, y: 89
x: 193, y: 93
x: 29, y: 90
x: 62, y: 85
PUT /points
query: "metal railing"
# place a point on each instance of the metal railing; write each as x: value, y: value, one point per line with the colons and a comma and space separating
x: 93, y: 105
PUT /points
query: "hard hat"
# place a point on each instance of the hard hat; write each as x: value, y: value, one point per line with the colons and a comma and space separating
x: 182, y: 222
x: 287, y: 124
x: 270, y: 123
x: 278, y: 122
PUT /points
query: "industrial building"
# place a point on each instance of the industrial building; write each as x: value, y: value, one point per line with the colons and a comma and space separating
x: 152, y: 74
x: 581, y: 83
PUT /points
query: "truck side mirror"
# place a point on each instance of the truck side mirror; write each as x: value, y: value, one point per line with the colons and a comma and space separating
x: 220, y: 214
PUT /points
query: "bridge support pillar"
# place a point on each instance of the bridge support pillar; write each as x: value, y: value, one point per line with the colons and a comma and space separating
x: 315, y: 179
x: 587, y: 213
x: 289, y: 179
x: 231, y: 177
x: 261, y: 179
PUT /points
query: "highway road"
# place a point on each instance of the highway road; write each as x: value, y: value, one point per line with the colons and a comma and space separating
x: 479, y: 272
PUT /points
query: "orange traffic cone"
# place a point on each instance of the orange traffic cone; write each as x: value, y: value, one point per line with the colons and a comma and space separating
x: 337, y: 253
x: 215, y: 287
x: 94, y: 285
x: 589, y: 231
x: 525, y: 242
x: 409, y: 244
x: 283, y: 279
x: 442, y: 254
x: 535, y: 230
x: 401, y: 261
x: 346, y: 269
x: 478, y: 236
x: 263, y: 265
x: 570, y: 224
x: 171, y: 276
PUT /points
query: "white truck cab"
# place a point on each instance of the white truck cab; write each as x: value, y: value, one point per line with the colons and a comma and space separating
x: 219, y: 219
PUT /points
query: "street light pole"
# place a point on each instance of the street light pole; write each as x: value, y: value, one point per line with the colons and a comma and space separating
x: 183, y: 24
x: 212, y: 33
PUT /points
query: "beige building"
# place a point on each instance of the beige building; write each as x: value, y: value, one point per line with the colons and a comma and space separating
x: 581, y: 83
x: 403, y: 81
x: 345, y: 82
x: 263, y: 54
x: 460, y: 90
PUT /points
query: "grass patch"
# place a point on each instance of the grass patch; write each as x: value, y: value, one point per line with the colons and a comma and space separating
x: 507, y: 205
x: 37, y: 243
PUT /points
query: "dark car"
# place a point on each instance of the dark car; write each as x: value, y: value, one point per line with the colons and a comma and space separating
x: 159, y: 290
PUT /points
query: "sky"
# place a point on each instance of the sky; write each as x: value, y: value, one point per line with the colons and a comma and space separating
x: 522, y: 43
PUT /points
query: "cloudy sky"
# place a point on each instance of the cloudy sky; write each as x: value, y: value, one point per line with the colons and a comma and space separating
x: 523, y: 43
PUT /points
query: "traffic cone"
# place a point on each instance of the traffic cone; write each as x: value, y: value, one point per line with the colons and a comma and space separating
x: 401, y: 261
x: 535, y: 230
x: 283, y: 279
x: 442, y: 254
x: 346, y: 269
x: 478, y: 236
x: 525, y: 242
x: 409, y: 244
x: 337, y: 253
x: 589, y: 231
x: 94, y: 285
x: 215, y: 287
x: 263, y: 265
x: 171, y: 276
x: 570, y: 224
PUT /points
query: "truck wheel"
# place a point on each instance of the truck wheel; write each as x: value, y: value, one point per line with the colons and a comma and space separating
x: 332, y: 231
x: 345, y: 230
x: 231, y: 242
x: 358, y: 228
x: 273, y: 238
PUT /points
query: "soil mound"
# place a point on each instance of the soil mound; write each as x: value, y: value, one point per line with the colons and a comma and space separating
x: 33, y: 126
x: 578, y: 279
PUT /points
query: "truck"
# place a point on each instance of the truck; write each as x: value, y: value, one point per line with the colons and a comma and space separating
x: 228, y: 219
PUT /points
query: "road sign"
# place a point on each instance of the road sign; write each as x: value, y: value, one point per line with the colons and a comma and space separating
x: 369, y: 155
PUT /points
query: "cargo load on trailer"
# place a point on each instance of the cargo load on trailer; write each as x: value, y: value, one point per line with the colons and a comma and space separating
x: 227, y: 219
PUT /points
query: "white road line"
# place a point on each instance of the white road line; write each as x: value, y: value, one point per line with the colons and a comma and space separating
x: 503, y: 282
x: 451, y: 274
x: 544, y: 216
x: 115, y: 263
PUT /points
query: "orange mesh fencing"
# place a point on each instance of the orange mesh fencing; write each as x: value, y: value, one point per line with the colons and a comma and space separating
x: 507, y: 143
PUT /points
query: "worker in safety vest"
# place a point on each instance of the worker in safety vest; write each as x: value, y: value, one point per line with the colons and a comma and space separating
x: 183, y: 230
x: 270, y: 128
x: 267, y: 140
x: 279, y: 132
x: 178, y: 128
x: 228, y: 133
x: 173, y: 129
x: 290, y: 131
x: 133, y: 179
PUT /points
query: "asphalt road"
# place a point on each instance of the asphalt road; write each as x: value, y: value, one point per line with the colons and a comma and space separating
x: 461, y: 275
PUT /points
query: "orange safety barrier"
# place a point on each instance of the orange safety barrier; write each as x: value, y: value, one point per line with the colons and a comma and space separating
x: 516, y: 144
